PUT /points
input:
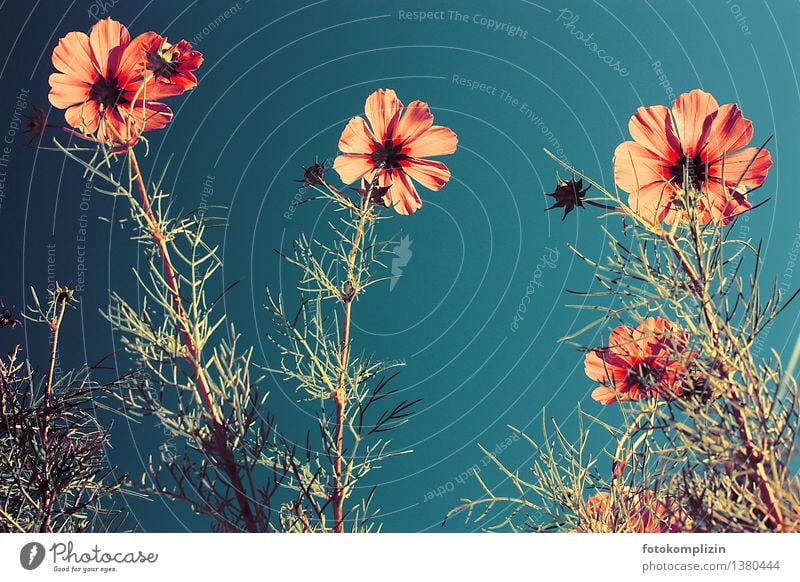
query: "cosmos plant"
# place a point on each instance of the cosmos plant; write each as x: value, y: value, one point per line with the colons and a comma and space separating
x: 708, y: 431
x: 54, y: 474
x: 194, y: 373
x: 350, y: 387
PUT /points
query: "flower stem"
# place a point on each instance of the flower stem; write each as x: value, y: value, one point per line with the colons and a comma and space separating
x: 49, y: 495
x: 755, y: 456
x: 220, y: 439
x: 339, y: 399
x: 599, y: 205
x: 348, y: 296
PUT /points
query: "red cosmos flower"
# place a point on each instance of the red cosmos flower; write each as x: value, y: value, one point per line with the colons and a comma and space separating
x: 639, y: 363
x: 700, y: 146
x: 394, y: 146
x: 639, y: 513
x: 172, y: 66
x: 101, y: 83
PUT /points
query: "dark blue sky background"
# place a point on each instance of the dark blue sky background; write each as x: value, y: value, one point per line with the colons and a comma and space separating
x: 280, y: 80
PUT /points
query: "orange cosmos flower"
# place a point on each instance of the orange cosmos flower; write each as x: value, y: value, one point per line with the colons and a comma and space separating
x: 636, y: 513
x: 392, y: 149
x: 101, y: 84
x: 697, y: 142
x: 171, y: 66
x: 640, y: 362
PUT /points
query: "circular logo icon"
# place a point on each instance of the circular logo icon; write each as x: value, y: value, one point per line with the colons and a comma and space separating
x: 31, y: 555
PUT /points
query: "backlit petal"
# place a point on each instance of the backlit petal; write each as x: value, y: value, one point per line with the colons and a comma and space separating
x: 729, y: 132
x: 652, y: 128
x: 747, y: 167
x: 357, y: 137
x: 352, y: 167
x: 72, y: 57
x: 431, y: 174
x: 416, y: 120
x: 84, y: 117
x: 654, y: 202
x: 604, y: 395
x: 383, y: 110
x: 694, y: 114
x: 108, y: 40
x: 435, y: 141
x: 403, y: 194
x: 635, y: 166
x: 66, y: 91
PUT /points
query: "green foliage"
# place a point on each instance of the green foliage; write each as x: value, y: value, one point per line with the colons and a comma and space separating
x: 717, y: 457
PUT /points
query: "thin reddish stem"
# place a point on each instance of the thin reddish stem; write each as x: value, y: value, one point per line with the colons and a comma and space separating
x: 340, y: 395
x: 220, y: 439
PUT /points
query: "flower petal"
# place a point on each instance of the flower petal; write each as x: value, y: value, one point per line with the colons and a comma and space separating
x: 654, y: 202
x: 596, y: 367
x: 721, y: 204
x: 132, y: 62
x: 622, y: 341
x: 150, y: 115
x: 694, y: 114
x: 72, y: 57
x: 108, y: 40
x: 351, y: 167
x: 357, y: 137
x: 402, y: 194
x: 729, y: 132
x: 652, y: 128
x: 66, y: 91
x: 84, y: 117
x: 747, y: 167
x: 431, y: 174
x: 383, y: 109
x: 635, y: 167
x: 604, y: 395
x: 125, y: 123
x: 415, y: 121
x: 435, y: 141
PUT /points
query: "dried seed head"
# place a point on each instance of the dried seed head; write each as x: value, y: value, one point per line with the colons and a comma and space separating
x: 568, y: 195
x: 313, y: 175
x: 376, y: 195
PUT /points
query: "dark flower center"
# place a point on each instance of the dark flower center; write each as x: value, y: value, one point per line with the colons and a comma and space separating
x: 643, y: 375
x: 388, y: 154
x: 160, y: 65
x: 693, y: 169
x: 106, y: 92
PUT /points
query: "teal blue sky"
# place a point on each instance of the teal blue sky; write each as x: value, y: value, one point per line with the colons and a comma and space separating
x: 511, y: 78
